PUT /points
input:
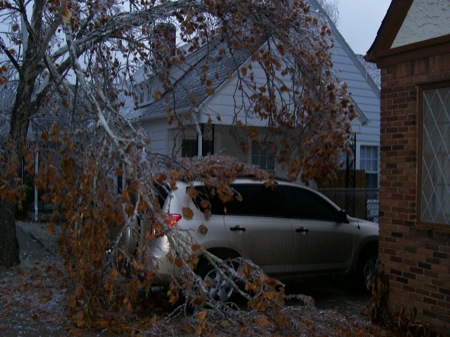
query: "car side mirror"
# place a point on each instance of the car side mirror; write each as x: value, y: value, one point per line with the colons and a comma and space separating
x: 342, y: 216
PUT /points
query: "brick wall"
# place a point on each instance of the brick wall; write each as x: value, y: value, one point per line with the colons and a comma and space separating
x: 416, y: 257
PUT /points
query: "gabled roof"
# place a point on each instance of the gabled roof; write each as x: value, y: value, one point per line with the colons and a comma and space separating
x: 360, y: 81
x: 349, y: 69
x: 386, y: 50
x: 191, y: 85
x: 372, y: 71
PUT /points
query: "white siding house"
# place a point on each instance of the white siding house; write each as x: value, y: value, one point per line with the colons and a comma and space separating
x: 366, y: 96
x: 220, y: 137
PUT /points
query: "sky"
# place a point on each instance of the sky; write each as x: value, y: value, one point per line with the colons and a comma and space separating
x: 359, y: 21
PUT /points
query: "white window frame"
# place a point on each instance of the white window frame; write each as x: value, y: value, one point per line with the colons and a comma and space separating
x: 262, y: 158
x: 146, y: 91
x: 370, y: 164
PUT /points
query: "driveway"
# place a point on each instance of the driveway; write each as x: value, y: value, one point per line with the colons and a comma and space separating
x: 333, y: 294
x: 32, y: 296
x: 31, y: 299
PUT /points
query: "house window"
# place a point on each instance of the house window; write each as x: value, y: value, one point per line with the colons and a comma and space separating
x: 208, y: 139
x: 262, y: 156
x: 369, y: 163
x: 435, y: 152
x: 189, y: 148
x: 145, y: 93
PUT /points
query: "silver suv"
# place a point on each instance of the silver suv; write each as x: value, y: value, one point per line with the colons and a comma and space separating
x: 289, y: 231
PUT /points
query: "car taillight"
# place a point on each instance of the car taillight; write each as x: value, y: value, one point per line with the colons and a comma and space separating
x: 170, y: 219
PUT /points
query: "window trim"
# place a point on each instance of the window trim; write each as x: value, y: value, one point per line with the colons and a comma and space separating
x: 265, y: 152
x: 146, y: 91
x: 420, y: 91
x: 378, y: 172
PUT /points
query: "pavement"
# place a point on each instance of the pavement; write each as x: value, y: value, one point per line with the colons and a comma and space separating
x: 30, y: 296
x: 36, y: 241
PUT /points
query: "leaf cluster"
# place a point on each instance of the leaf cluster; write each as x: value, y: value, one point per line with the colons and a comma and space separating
x: 80, y: 61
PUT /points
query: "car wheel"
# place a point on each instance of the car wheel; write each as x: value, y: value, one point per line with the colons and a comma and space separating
x: 370, y: 267
x: 366, y: 268
x: 218, y: 286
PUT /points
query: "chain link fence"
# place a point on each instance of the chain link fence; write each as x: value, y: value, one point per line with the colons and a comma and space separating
x: 358, y: 202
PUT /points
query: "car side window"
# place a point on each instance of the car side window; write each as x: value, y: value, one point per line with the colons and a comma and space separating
x: 208, y: 200
x: 248, y: 200
x: 305, y: 204
x: 256, y: 200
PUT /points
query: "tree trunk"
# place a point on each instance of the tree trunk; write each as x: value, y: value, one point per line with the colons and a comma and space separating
x: 30, y: 69
x: 9, y: 246
x: 20, y: 120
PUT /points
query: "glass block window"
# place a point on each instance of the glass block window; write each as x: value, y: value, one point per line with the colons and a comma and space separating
x: 262, y: 156
x: 435, y: 170
x: 368, y: 161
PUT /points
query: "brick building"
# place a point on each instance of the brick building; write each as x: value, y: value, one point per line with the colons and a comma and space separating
x: 412, y: 49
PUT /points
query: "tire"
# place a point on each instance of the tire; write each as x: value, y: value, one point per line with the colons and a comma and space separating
x: 369, y: 267
x: 365, y: 269
x: 219, y: 288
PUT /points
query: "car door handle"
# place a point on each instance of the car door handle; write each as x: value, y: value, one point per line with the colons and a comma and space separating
x: 237, y: 228
x: 302, y: 230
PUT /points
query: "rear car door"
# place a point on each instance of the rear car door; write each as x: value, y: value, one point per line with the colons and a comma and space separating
x: 321, y: 242
x: 258, y: 229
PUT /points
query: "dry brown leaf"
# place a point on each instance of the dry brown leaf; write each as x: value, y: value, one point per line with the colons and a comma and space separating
x: 202, y: 229
x: 202, y: 315
x: 262, y: 321
x: 188, y: 214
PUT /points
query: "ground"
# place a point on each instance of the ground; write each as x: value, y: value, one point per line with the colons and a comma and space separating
x: 32, y: 297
